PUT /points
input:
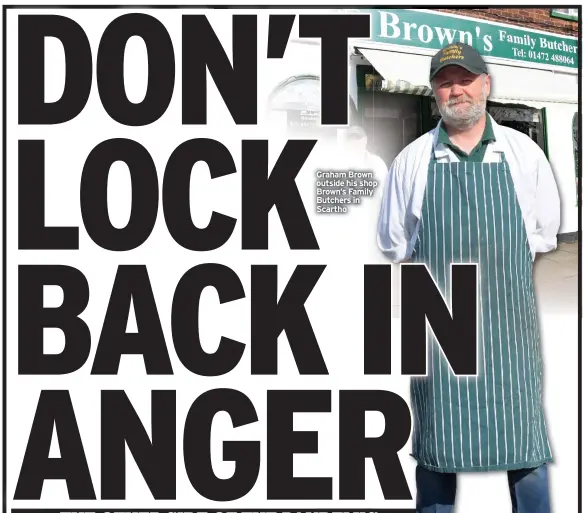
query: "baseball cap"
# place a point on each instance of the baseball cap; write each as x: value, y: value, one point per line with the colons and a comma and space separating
x: 458, y: 54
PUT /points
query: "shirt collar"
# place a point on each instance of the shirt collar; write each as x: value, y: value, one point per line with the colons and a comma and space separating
x: 491, y: 133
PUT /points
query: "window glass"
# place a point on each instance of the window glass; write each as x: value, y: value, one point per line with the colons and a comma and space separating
x: 527, y: 120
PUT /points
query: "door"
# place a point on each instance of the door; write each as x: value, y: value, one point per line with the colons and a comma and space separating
x: 391, y: 122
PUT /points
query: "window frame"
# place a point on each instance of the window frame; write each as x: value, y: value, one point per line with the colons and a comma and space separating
x: 556, y: 14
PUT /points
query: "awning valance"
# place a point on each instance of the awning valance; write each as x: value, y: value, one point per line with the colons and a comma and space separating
x: 374, y: 82
x: 400, y: 72
x: 397, y: 72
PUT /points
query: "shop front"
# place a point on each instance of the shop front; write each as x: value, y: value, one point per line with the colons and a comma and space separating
x: 534, y: 87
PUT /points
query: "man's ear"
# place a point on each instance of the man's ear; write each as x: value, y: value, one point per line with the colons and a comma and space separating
x: 488, y: 82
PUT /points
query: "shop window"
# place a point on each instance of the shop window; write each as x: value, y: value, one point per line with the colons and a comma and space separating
x: 527, y: 120
x: 296, y: 103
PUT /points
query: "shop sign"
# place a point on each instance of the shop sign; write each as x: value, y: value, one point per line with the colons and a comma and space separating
x: 430, y: 30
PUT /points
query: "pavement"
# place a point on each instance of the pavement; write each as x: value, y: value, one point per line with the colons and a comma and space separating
x: 556, y: 277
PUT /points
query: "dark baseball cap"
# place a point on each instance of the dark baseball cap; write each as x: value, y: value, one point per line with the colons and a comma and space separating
x: 458, y: 54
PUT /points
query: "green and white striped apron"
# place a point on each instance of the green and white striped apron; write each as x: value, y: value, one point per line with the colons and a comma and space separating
x: 495, y: 420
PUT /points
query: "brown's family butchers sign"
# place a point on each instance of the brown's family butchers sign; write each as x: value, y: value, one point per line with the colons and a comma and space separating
x: 431, y: 30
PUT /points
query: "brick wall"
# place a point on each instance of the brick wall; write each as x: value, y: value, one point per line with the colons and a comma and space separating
x: 539, y: 19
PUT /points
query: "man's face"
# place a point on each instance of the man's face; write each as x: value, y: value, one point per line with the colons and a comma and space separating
x: 460, y: 95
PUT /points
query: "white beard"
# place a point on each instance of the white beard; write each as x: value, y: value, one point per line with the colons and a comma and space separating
x: 464, y: 119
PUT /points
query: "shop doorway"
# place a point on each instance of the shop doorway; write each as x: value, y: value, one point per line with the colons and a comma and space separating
x: 391, y: 122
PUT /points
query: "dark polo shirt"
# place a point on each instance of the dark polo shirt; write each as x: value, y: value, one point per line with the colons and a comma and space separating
x: 477, y: 154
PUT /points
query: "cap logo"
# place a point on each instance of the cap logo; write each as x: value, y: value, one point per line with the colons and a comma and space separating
x: 452, y: 52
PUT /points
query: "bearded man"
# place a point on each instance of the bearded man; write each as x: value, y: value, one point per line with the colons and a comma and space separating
x: 472, y: 191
